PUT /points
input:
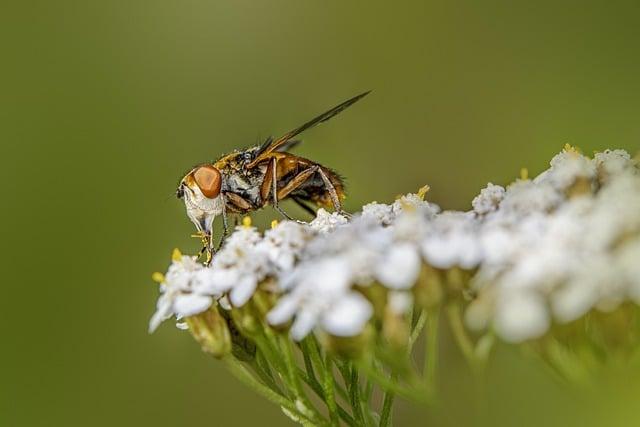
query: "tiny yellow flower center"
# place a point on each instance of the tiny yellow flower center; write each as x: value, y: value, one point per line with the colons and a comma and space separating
x: 157, y: 277
x: 524, y: 174
x: 274, y: 223
x: 568, y: 148
x: 246, y: 221
x: 176, y: 255
x: 422, y: 191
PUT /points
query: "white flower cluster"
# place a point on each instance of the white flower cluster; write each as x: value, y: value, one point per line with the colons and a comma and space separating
x: 184, y: 291
x: 541, y: 250
x: 559, y: 245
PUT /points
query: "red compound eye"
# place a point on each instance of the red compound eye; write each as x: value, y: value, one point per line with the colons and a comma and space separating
x: 208, y: 180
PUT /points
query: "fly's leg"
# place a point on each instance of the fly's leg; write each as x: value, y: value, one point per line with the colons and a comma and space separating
x: 207, y: 248
x: 239, y: 205
x: 335, y: 200
x: 225, y: 228
x: 274, y: 189
x: 299, y: 179
x: 296, y: 182
x: 239, y: 202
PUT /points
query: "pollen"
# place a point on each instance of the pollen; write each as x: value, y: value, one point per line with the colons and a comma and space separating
x: 568, y: 148
x: 422, y: 191
x: 274, y: 223
x: 176, y: 255
x: 524, y: 174
x: 157, y: 277
x: 246, y: 221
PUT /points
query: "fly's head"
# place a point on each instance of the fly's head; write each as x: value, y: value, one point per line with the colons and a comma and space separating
x: 200, y: 190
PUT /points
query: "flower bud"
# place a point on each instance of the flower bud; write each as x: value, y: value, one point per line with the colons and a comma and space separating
x: 210, y: 329
x: 377, y: 296
x: 264, y: 300
x: 246, y: 318
x: 428, y: 291
x: 348, y: 347
x: 395, y: 330
x: 580, y: 187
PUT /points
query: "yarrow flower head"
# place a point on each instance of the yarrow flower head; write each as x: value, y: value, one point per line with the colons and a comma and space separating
x: 183, y: 290
x: 283, y: 244
x: 321, y: 296
x: 568, y: 168
x: 326, y: 222
x: 239, y: 266
x: 534, y: 252
x: 489, y: 199
x: 528, y: 258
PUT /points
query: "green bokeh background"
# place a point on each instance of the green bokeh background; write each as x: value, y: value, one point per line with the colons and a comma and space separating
x: 105, y: 104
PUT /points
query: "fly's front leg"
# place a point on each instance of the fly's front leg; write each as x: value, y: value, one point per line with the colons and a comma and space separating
x: 225, y: 227
x: 238, y: 205
x: 205, y: 239
x: 207, y: 248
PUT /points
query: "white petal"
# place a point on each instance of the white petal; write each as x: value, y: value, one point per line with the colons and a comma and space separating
x: 202, y: 282
x: 521, y: 316
x: 163, y: 312
x: 243, y: 291
x: 439, y: 252
x: 190, y: 304
x: 221, y: 280
x: 348, y: 316
x: 283, y: 311
x: 182, y: 326
x: 400, y: 301
x: 304, y: 323
x: 400, y: 267
x: 574, y: 300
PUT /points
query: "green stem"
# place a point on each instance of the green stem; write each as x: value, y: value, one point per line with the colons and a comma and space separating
x: 308, y: 364
x: 329, y: 390
x: 264, y: 372
x: 294, y: 379
x: 317, y: 388
x: 271, y: 356
x: 354, y: 395
x: 418, y: 328
x: 368, y: 391
x: 270, y: 353
x: 387, y: 405
x: 317, y: 359
x: 414, y: 394
x: 241, y: 373
x: 431, y: 351
x: 454, y: 313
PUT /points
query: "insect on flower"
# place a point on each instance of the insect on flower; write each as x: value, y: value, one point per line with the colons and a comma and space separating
x: 247, y: 180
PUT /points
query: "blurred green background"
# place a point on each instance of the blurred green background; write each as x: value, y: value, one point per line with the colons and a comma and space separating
x: 105, y: 104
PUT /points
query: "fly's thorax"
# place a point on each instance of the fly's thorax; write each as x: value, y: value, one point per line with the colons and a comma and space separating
x: 245, y: 183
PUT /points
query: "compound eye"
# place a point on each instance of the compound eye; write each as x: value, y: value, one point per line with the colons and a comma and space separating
x: 208, y: 180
